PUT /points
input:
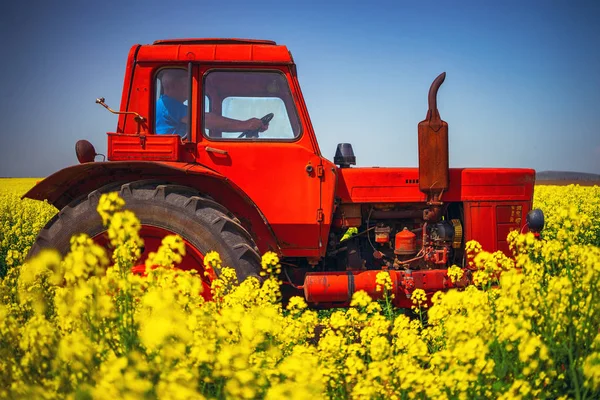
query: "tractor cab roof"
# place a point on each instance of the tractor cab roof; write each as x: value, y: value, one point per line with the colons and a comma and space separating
x: 214, y: 41
x: 216, y: 50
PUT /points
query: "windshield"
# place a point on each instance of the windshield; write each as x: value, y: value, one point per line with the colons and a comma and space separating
x: 249, y: 105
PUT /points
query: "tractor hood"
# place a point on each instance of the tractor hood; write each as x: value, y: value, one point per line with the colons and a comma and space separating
x: 401, y: 185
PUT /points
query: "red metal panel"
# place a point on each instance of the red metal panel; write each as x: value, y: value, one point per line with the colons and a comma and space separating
x: 158, y: 53
x: 490, y: 222
x: 504, y: 214
x: 147, y: 147
x: 480, y: 221
x: 215, y: 52
x: 496, y: 184
x: 502, y: 176
x: 511, y: 214
x: 271, y: 53
x: 375, y: 185
x: 214, y: 41
x: 372, y: 185
x: 193, y: 53
x: 494, y: 192
x: 328, y: 186
x: 384, y: 193
x: 288, y: 196
x: 242, y: 52
x: 129, y: 70
x: 510, y: 218
x: 141, y: 100
x: 504, y: 229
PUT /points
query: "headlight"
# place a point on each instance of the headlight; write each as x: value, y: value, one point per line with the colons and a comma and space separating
x: 535, y: 220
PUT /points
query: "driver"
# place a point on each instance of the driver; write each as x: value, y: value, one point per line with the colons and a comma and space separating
x: 171, y: 113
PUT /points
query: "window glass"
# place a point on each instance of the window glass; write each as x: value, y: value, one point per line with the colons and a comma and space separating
x: 206, y: 109
x: 171, y: 113
x: 244, y: 108
x: 249, y: 105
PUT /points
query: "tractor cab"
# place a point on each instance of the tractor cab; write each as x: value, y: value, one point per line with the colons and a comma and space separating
x: 202, y: 90
x: 235, y: 107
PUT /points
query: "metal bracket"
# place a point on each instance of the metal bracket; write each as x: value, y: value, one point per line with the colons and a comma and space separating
x: 320, y: 171
x: 320, y: 215
x: 138, y: 118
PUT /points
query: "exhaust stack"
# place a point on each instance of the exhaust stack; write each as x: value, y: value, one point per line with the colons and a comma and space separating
x: 433, y: 152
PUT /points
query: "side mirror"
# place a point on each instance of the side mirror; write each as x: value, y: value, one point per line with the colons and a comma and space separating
x: 344, y: 155
x: 85, y: 152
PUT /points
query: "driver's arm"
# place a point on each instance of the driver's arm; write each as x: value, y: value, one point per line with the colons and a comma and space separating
x: 224, y: 124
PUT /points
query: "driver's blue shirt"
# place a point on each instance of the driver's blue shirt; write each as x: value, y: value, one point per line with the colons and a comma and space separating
x: 169, y: 113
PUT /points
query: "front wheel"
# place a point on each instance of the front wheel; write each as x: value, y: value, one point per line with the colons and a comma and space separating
x: 162, y: 209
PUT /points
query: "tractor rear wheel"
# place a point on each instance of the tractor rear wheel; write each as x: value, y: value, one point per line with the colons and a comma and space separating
x: 162, y: 209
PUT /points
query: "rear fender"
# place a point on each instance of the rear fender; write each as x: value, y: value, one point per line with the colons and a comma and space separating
x: 76, y: 182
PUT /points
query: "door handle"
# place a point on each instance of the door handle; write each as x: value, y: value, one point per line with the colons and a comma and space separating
x: 213, y: 150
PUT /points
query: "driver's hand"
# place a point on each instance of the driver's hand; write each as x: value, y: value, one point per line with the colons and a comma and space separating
x: 255, y: 124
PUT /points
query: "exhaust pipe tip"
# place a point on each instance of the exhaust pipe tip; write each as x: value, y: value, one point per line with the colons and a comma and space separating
x: 433, y: 90
x: 433, y: 114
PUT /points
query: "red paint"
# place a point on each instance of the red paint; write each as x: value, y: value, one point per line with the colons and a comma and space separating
x: 338, y: 287
x: 406, y: 242
x: 152, y: 237
x: 381, y: 185
x: 143, y: 147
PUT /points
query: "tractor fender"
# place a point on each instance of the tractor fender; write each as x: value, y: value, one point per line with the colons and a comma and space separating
x: 77, y: 181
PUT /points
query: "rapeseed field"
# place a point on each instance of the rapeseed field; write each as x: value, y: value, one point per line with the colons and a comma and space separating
x: 85, y: 327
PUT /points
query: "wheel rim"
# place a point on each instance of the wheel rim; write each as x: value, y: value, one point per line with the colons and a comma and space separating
x: 153, y: 236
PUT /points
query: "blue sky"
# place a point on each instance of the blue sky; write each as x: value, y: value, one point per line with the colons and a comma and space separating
x: 522, y: 86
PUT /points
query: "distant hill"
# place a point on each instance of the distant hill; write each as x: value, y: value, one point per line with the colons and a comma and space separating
x: 566, y: 178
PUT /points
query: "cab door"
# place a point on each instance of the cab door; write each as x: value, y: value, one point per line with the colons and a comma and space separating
x: 278, y: 167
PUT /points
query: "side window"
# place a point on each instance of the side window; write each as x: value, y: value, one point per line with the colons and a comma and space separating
x: 249, y: 105
x: 171, y: 112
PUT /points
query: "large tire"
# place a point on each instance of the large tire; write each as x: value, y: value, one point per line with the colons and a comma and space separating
x: 202, y: 223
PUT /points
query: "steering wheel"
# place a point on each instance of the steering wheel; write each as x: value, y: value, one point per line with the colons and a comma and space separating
x: 254, y: 134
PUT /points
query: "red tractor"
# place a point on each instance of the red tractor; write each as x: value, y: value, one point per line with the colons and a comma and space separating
x: 226, y: 181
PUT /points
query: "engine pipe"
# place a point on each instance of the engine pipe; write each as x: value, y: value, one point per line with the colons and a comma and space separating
x: 339, y: 286
x: 434, y: 169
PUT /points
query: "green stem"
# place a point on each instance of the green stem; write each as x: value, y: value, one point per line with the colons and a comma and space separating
x: 573, y: 372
